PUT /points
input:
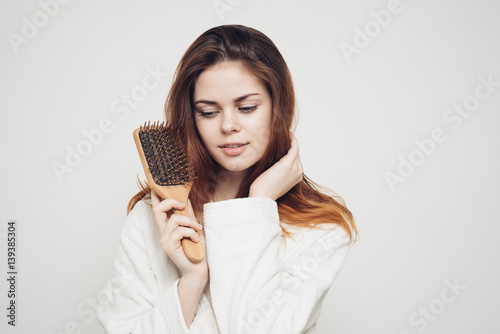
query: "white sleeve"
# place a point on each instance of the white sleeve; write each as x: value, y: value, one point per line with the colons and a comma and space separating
x: 257, y: 288
x: 133, y: 301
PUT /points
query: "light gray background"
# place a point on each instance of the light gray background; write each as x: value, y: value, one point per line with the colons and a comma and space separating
x: 438, y: 227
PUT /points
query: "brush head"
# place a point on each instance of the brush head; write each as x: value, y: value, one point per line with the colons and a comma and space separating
x: 166, y: 161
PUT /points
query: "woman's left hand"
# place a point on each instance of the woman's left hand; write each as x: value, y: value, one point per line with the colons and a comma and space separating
x: 280, y: 177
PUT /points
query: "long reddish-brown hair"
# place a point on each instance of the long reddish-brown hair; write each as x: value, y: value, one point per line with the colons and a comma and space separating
x: 306, y: 204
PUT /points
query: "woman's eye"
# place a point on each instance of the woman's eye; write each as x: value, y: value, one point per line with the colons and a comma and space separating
x: 247, y: 109
x: 208, y: 114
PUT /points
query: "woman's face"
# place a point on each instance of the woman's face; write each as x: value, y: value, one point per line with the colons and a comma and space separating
x: 233, y: 111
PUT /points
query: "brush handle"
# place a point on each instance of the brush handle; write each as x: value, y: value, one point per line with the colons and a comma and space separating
x: 194, y: 251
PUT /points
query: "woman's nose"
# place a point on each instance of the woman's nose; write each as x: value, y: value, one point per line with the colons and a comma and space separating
x: 229, y: 122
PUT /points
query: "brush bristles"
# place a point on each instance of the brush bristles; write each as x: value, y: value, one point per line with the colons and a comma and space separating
x: 166, y: 161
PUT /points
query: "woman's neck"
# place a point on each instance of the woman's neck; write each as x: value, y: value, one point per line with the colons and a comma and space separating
x: 228, y: 184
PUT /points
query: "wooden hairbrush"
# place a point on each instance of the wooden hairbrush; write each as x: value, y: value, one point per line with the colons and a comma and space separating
x: 167, y: 172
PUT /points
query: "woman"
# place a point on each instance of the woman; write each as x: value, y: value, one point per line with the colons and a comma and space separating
x: 274, y: 242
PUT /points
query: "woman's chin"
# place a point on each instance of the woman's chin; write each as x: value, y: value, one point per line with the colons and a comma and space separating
x: 235, y: 169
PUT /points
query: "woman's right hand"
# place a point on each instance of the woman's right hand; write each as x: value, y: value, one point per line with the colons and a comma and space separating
x: 172, y: 229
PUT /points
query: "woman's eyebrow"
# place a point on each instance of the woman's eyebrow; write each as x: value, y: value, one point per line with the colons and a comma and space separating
x: 238, y: 99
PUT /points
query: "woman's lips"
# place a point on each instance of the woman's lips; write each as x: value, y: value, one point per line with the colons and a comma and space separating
x: 233, y: 149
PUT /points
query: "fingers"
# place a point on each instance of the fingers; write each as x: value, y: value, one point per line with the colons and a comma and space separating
x: 185, y: 232
x: 176, y: 221
x: 294, y: 158
x: 180, y: 227
x: 161, y: 208
x: 155, y: 199
x: 158, y: 215
x: 294, y: 144
x: 165, y: 205
x: 293, y: 153
x: 168, y: 204
x: 174, y: 227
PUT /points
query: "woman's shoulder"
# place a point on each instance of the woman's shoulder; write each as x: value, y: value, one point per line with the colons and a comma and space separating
x: 301, y: 233
x: 330, y: 237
